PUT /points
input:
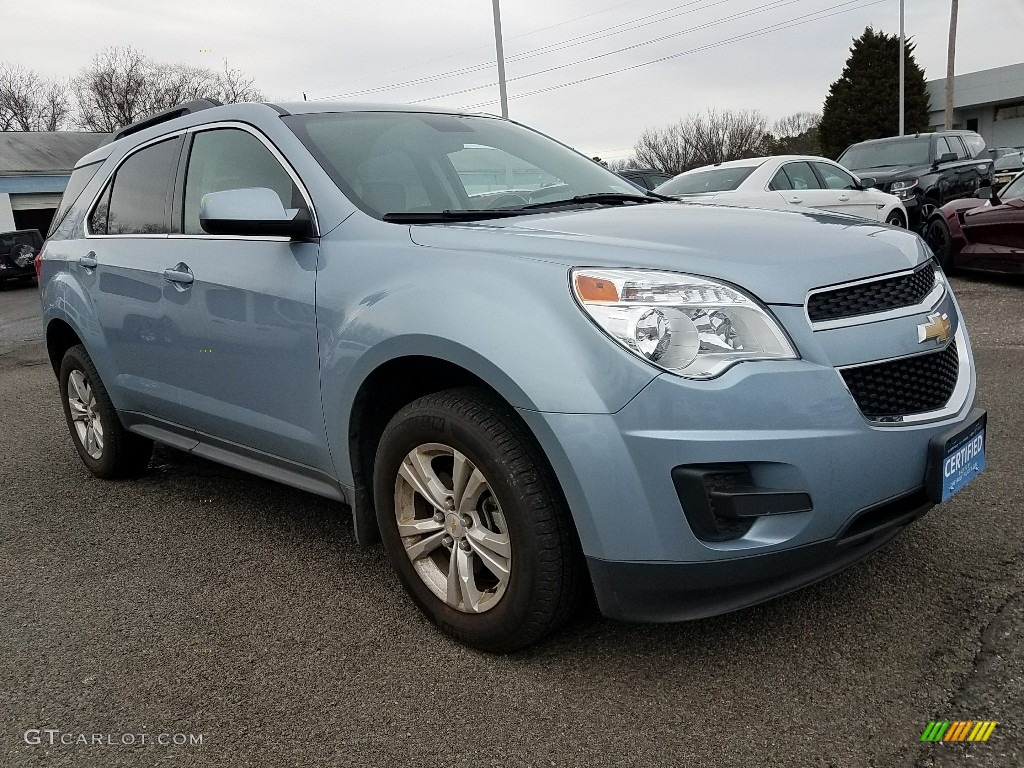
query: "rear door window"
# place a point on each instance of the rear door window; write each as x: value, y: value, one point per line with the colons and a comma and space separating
x: 135, y: 201
x: 801, y: 176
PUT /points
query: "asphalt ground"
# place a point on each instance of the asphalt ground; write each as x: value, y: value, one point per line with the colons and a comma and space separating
x: 199, y: 601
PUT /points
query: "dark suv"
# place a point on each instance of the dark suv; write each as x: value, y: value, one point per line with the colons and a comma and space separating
x: 924, y: 171
x: 18, y: 251
x: 645, y: 178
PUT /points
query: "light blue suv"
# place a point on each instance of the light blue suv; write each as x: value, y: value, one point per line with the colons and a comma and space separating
x: 531, y: 380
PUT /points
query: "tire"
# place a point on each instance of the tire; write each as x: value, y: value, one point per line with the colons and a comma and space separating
x: 939, y: 240
x: 106, y: 447
x: 895, y: 218
x: 509, y: 534
x: 928, y: 207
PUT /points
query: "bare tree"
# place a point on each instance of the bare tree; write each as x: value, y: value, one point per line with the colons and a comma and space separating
x: 122, y: 85
x: 623, y: 164
x: 30, y: 102
x: 703, y: 139
x: 795, y: 124
x: 795, y: 134
x: 235, y: 86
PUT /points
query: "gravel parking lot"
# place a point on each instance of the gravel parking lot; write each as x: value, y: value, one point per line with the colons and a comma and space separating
x: 201, y: 602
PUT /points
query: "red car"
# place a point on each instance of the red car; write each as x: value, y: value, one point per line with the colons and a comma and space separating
x: 984, y: 232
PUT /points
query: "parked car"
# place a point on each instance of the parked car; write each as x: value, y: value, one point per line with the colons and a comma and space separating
x: 985, y: 232
x: 1006, y: 167
x: 924, y: 171
x: 18, y: 251
x: 686, y: 409
x: 784, y: 181
x: 645, y: 178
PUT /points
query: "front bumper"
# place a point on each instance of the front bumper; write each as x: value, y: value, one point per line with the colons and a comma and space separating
x: 665, y: 592
x: 793, y: 427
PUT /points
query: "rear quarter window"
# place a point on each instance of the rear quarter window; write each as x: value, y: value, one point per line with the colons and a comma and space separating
x: 80, y: 178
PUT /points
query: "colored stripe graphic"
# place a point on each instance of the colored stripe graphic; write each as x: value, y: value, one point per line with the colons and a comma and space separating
x: 958, y: 730
x: 935, y: 731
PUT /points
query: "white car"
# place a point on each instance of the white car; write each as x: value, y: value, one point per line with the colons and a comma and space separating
x: 786, y: 181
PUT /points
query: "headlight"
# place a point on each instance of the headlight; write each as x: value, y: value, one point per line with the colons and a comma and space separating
x: 904, y: 190
x: 687, y: 325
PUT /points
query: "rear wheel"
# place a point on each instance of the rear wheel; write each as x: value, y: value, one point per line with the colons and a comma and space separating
x: 939, y: 240
x: 106, y: 447
x: 473, y: 521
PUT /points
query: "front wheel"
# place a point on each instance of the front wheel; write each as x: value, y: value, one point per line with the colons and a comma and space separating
x: 473, y: 521
x: 106, y: 447
x: 895, y: 218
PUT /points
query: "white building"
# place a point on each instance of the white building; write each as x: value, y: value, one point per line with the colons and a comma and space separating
x: 990, y: 102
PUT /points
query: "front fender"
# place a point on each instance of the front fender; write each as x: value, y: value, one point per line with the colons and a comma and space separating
x: 509, y: 320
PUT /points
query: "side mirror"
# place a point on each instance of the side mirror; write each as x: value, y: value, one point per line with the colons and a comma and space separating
x: 254, y: 212
x: 868, y: 182
x: 948, y: 157
x: 983, y: 193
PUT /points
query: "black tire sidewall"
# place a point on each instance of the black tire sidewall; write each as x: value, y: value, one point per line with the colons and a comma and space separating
x: 77, y: 359
x: 415, y: 427
x: 946, y: 256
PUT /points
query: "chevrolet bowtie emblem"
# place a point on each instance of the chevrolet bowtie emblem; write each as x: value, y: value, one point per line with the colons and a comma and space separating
x: 937, y: 328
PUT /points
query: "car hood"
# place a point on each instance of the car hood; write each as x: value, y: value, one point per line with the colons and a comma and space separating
x: 776, y: 255
x: 892, y: 172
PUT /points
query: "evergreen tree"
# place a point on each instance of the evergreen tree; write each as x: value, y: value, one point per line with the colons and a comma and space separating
x: 864, y: 102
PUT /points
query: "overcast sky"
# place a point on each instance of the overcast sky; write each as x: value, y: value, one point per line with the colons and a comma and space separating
x: 341, y: 47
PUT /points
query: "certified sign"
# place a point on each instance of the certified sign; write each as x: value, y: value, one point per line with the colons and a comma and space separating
x: 956, y: 460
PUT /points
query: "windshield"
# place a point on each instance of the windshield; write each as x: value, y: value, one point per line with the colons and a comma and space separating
x: 1014, y: 189
x: 422, y: 163
x: 1010, y: 162
x: 713, y: 180
x: 905, y: 152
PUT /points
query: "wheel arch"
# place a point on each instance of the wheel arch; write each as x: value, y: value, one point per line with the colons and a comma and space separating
x: 60, y: 337
x: 387, y: 388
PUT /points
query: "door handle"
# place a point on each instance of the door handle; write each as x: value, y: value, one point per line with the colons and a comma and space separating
x: 844, y: 198
x: 796, y: 200
x: 88, y: 261
x: 179, y: 273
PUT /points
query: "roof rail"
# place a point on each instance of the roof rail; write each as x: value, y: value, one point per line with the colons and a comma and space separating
x: 162, y: 117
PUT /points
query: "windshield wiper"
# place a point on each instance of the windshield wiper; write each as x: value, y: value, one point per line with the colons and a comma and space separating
x: 602, y: 197
x: 433, y: 217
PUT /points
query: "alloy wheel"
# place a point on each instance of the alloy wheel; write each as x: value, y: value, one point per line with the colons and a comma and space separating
x: 85, y: 415
x: 452, y: 528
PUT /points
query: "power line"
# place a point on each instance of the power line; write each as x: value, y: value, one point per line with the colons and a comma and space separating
x: 600, y: 34
x: 767, y: 30
x: 471, y: 50
x: 707, y: 25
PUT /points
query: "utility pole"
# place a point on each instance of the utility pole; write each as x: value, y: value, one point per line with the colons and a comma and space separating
x: 501, y: 58
x: 949, y: 65
x: 903, y: 110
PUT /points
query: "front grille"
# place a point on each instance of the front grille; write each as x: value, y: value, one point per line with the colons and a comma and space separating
x: 876, y: 296
x: 904, y: 387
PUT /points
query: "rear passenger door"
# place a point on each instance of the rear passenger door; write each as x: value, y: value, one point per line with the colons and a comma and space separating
x: 122, y: 257
x: 245, y: 363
